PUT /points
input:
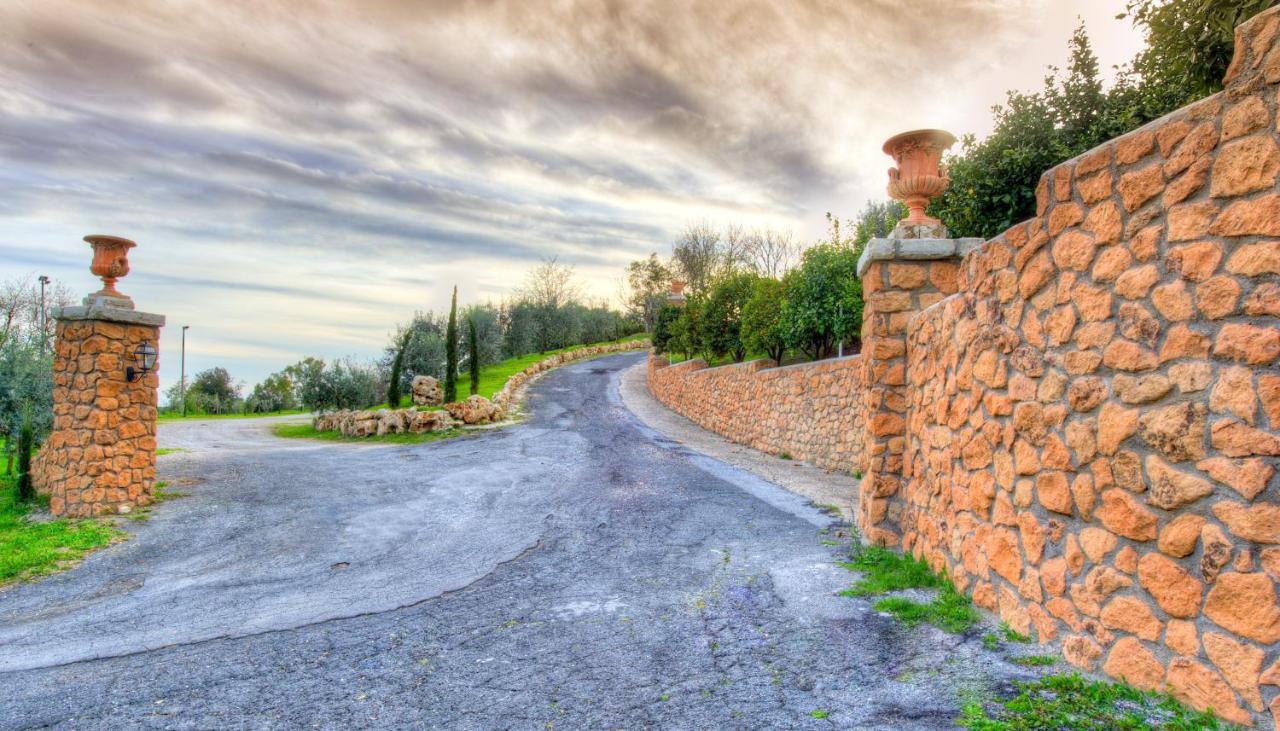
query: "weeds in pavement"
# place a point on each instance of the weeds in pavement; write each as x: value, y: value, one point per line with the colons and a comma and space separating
x: 1034, y: 661
x: 885, y: 571
x: 1071, y: 702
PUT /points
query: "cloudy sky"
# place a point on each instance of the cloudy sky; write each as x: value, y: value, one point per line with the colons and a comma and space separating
x: 302, y: 175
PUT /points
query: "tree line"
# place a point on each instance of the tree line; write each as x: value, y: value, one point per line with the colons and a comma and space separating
x: 547, y: 312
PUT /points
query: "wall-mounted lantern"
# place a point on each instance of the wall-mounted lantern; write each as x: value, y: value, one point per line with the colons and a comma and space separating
x: 146, y: 355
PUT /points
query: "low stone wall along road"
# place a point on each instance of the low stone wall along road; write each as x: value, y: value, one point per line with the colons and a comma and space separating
x: 575, y: 571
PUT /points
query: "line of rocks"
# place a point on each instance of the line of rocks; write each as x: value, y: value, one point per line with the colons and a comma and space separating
x: 472, y: 411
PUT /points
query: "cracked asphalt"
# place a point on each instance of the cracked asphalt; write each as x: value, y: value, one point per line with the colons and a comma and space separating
x: 578, y: 570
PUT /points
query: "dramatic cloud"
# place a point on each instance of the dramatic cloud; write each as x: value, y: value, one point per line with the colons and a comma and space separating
x: 301, y: 176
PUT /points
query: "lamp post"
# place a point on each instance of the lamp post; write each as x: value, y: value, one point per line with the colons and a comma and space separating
x: 182, y: 387
x: 44, y: 327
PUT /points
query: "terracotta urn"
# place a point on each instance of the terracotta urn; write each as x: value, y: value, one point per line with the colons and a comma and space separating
x: 677, y: 287
x: 919, y: 175
x: 110, y: 261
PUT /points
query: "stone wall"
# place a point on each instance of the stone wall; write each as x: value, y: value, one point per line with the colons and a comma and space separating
x: 100, y: 458
x: 809, y: 411
x: 1092, y: 421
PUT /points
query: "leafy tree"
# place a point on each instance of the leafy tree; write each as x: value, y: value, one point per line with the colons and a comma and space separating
x: 451, y: 352
x: 397, y: 368
x: 877, y: 219
x: 763, y: 328
x: 26, y: 390
x: 686, y: 330
x: 276, y: 392
x: 473, y: 355
x: 698, y: 256
x: 823, y: 305
x: 663, y: 329
x: 1189, y: 45
x: 212, y: 391
x: 720, y: 331
x: 342, y: 384
x: 648, y: 281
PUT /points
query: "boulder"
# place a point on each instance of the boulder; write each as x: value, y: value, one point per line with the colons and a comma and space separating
x: 474, y: 410
x: 427, y: 391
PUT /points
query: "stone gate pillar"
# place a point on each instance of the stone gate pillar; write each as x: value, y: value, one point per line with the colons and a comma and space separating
x: 101, y: 456
x: 912, y: 269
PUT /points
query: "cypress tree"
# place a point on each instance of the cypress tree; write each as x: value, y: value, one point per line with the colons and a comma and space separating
x: 26, y: 490
x: 473, y: 355
x: 397, y: 370
x: 451, y: 352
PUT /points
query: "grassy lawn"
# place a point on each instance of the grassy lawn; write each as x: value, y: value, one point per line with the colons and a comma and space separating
x: 1071, y: 702
x: 175, y: 416
x: 306, y: 431
x: 30, y: 550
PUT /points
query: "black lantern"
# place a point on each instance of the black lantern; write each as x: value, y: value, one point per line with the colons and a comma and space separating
x: 146, y: 355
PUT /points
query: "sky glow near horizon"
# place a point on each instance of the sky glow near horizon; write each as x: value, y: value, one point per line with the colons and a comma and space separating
x: 302, y: 176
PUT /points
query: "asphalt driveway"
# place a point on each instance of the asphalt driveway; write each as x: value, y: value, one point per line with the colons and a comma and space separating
x: 575, y: 571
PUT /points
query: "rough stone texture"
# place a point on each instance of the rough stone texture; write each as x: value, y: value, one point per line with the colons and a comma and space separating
x: 803, y: 410
x: 100, y: 458
x: 1107, y: 370
x: 1147, y: 426
x: 427, y: 391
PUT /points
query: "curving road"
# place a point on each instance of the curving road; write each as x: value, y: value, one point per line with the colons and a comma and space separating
x: 575, y: 571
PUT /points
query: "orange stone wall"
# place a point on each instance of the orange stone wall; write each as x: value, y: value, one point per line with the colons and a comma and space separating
x: 1092, y: 421
x: 100, y: 458
x: 810, y: 411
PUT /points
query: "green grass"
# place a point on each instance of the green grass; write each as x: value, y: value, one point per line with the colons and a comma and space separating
x: 990, y: 642
x: 1012, y: 635
x: 306, y: 431
x: 885, y: 571
x: 494, y: 377
x: 819, y: 713
x: 177, y: 416
x: 170, y: 450
x: 1071, y: 702
x: 950, y: 611
x: 1035, y: 661
x: 30, y: 550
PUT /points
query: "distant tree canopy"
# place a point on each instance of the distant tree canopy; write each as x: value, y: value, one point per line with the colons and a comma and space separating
x: 1188, y: 49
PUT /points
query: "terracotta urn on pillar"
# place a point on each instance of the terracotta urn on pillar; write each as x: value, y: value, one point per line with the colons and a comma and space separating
x: 110, y: 261
x: 677, y: 296
x: 919, y: 175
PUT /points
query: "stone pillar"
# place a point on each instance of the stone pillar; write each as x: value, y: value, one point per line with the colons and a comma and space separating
x: 100, y: 458
x: 900, y: 277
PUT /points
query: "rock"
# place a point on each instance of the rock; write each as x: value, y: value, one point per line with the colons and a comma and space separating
x: 1247, y: 476
x: 1239, y: 663
x: 1215, y: 551
x: 1177, y: 430
x: 1135, y: 664
x: 1246, y: 605
x: 1245, y: 166
x: 1236, y: 439
x: 1197, y: 261
x: 1122, y: 515
x: 427, y: 391
x: 1259, y: 523
x: 1252, y: 260
x: 1177, y: 592
x: 1086, y: 393
x: 1202, y: 688
x: 1179, y: 537
x: 1115, y: 424
x: 1140, y: 389
x: 1173, y: 301
x: 474, y: 410
x: 1247, y: 343
x: 1172, y: 489
x: 1081, y: 651
x: 1096, y: 543
x: 1181, y: 637
x: 1053, y: 491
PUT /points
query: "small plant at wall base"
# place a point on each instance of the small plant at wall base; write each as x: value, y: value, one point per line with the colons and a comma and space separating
x: 451, y: 352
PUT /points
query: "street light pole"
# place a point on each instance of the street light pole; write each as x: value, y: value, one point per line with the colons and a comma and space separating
x: 44, y: 326
x: 182, y: 387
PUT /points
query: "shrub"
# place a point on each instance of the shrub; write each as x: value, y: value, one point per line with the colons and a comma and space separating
x: 397, y: 368
x: 823, y: 305
x: 720, y: 327
x: 762, y: 325
x: 663, y: 329
x: 26, y: 438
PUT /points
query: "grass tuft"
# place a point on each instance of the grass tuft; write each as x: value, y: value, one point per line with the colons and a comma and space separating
x: 887, y: 571
x: 1033, y: 661
x: 1012, y: 635
x: 1071, y: 702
